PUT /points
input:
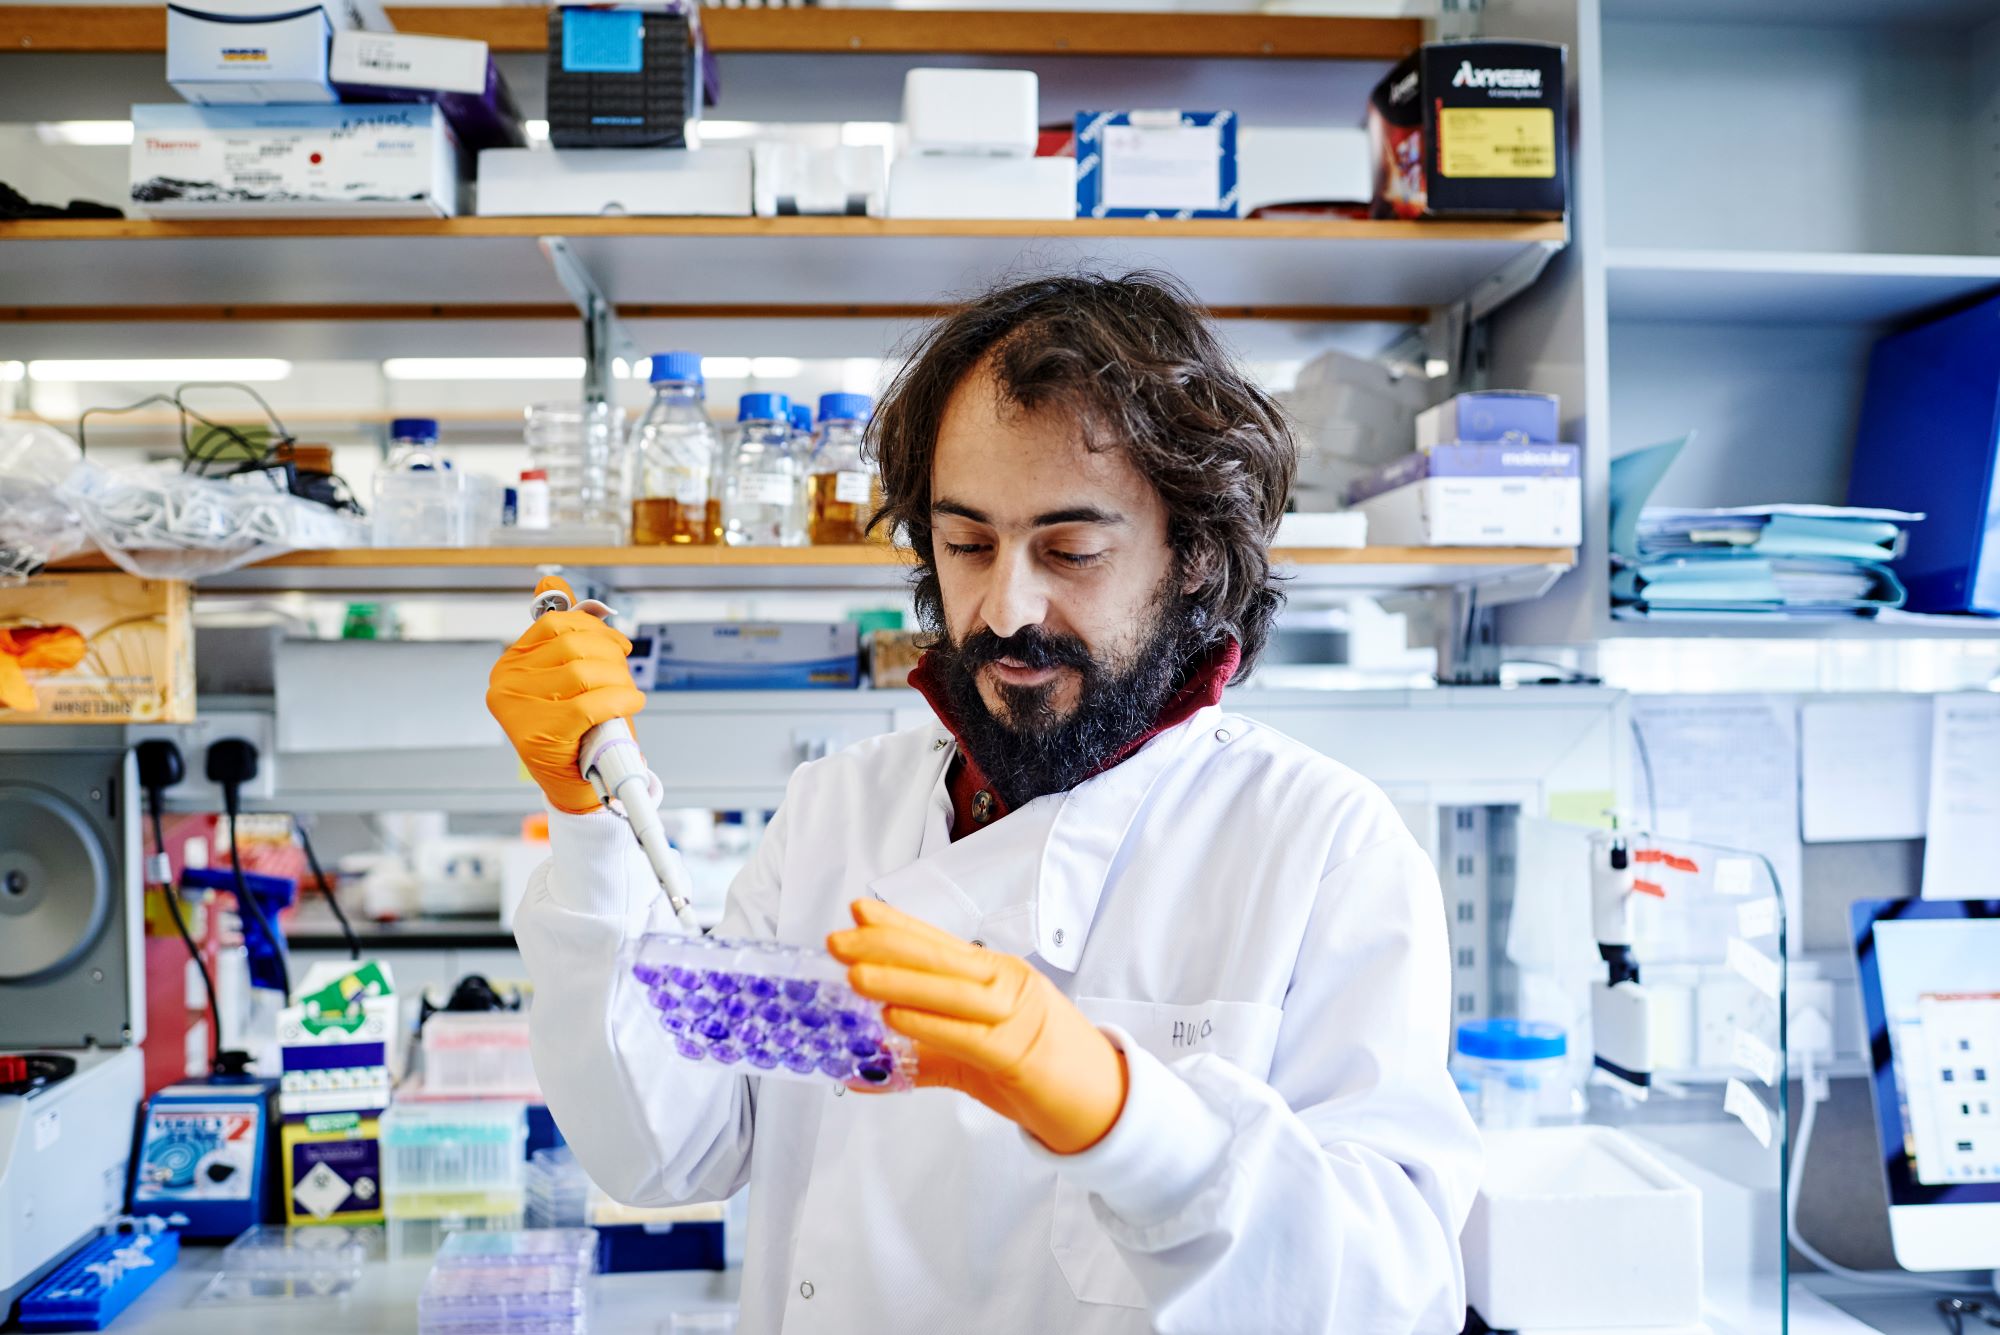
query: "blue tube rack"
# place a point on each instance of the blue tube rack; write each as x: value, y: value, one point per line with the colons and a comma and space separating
x: 100, y: 1280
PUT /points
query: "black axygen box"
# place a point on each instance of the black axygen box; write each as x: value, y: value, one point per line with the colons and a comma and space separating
x: 1471, y: 129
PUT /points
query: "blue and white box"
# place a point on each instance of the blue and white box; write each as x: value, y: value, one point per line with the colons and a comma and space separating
x: 1478, y: 495
x: 387, y: 161
x: 1156, y: 164
x: 752, y: 655
x: 216, y: 57
x: 1513, y: 415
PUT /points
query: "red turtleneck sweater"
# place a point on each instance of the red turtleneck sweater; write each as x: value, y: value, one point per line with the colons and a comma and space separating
x: 975, y: 805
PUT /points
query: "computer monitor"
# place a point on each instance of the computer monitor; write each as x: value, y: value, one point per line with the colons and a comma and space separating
x: 1930, y: 983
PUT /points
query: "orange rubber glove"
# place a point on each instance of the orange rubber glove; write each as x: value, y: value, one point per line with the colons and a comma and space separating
x: 988, y: 1024
x: 563, y: 677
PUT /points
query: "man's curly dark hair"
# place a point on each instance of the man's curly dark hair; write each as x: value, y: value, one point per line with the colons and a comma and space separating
x: 1134, y: 362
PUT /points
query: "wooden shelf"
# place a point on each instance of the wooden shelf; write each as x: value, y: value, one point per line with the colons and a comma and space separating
x: 866, y: 567
x: 330, y: 288
x: 1028, y: 32
x: 1790, y: 287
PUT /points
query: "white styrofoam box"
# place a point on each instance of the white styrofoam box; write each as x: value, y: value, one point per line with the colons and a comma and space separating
x: 1478, y: 512
x: 1330, y: 528
x: 341, y: 13
x: 978, y: 112
x: 407, y: 60
x: 352, y: 695
x: 802, y: 178
x: 936, y: 187
x: 1577, y: 1226
x: 1301, y: 165
x: 663, y: 182
x: 389, y: 161
x: 220, y: 59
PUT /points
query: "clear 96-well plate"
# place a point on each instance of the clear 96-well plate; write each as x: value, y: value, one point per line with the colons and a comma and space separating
x: 764, y: 1008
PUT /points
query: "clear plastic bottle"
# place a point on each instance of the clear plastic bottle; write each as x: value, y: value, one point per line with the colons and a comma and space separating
x: 842, y: 485
x: 675, y: 496
x: 762, y: 493
x: 580, y: 447
x: 420, y: 500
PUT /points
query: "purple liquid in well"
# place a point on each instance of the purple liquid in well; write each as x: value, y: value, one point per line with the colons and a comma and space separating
x: 674, y: 1024
x: 849, y: 1018
x: 685, y: 978
x: 760, y: 1057
x: 715, y: 1030
x: 801, y: 1062
x: 726, y: 1053
x: 800, y: 990
x: 736, y: 1007
x: 772, y: 1012
x: 838, y: 1066
x: 699, y: 1003
x: 647, y: 974
x: 812, y: 1017
x: 761, y: 987
x: 690, y: 1049
x: 720, y: 980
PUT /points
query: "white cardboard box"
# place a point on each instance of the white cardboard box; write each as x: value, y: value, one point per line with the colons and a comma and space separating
x: 407, y: 60
x: 1478, y: 512
x: 661, y: 182
x: 1291, y: 165
x: 802, y: 179
x: 1577, y: 1227
x: 216, y: 58
x: 986, y: 113
x: 382, y: 161
x: 936, y: 187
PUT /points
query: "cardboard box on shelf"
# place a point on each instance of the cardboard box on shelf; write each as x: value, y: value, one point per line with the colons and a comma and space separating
x: 219, y: 58
x: 1146, y: 164
x: 657, y: 182
x: 96, y: 648
x: 893, y: 655
x: 948, y: 188
x: 752, y: 655
x: 332, y: 1169
x: 1471, y: 129
x: 1491, y: 415
x: 379, y: 161
x: 1485, y: 495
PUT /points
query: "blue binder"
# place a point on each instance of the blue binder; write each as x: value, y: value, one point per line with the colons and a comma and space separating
x: 1930, y: 431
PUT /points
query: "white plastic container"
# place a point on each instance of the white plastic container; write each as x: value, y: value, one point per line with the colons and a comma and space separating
x: 420, y: 499
x: 479, y: 1054
x: 579, y: 449
x: 1578, y: 1227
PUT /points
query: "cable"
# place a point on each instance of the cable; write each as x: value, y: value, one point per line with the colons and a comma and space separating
x: 1652, y: 790
x: 332, y: 900
x: 1814, y: 1087
x: 245, y: 899
x: 187, y: 937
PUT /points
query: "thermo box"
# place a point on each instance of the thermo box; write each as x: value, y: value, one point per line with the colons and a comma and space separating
x: 388, y: 161
x: 684, y: 182
x: 1470, y: 129
x: 1491, y: 415
x: 752, y: 655
x: 1487, y: 495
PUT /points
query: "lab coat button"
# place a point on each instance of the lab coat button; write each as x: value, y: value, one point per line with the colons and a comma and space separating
x: 1058, y: 936
x: 805, y: 1288
x: 1222, y: 734
x: 982, y: 806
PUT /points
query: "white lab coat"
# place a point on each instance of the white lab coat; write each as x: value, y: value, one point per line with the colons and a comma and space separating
x: 1248, y: 921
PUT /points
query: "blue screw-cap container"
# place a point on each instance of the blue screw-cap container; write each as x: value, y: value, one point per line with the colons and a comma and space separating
x: 764, y: 408
x: 845, y: 407
x: 676, y: 366
x: 1511, y: 1040
x: 802, y: 418
x: 413, y: 428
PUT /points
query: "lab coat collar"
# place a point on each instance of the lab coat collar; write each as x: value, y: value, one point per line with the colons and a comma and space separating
x: 1030, y: 882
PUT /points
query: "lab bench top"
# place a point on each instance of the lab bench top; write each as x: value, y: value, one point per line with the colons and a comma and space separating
x: 386, y: 1301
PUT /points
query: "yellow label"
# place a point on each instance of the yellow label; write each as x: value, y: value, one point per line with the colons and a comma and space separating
x: 1503, y: 141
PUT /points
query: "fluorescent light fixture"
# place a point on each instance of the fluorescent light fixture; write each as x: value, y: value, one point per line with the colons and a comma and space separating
x: 1436, y: 368
x: 775, y: 368
x: 163, y: 369
x: 85, y: 134
x: 725, y: 368
x: 537, y: 132
x: 13, y: 371
x: 483, y: 368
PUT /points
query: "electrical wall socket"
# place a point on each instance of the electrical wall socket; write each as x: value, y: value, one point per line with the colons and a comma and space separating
x: 195, y: 792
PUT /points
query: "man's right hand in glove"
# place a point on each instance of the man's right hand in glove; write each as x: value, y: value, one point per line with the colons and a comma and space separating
x: 564, y: 676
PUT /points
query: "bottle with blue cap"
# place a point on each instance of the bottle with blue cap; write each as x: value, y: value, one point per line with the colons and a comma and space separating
x: 763, y: 489
x: 675, y: 454
x: 841, y: 484
x: 1515, y: 1073
x: 420, y: 500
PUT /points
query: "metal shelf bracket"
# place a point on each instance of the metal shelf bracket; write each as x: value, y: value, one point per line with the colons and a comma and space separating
x: 604, y: 338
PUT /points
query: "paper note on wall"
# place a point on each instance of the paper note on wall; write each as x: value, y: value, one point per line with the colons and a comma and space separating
x: 1726, y: 769
x: 1963, y: 846
x: 1864, y: 768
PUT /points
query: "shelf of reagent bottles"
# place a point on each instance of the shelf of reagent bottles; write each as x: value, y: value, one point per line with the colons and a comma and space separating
x: 486, y: 270
x: 862, y: 567
x: 1021, y: 31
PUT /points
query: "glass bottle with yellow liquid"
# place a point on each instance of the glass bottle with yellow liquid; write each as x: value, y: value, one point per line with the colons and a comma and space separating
x: 674, y: 454
x: 842, y: 486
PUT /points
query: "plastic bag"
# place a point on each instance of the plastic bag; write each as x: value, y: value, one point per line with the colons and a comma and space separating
x: 152, y: 520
